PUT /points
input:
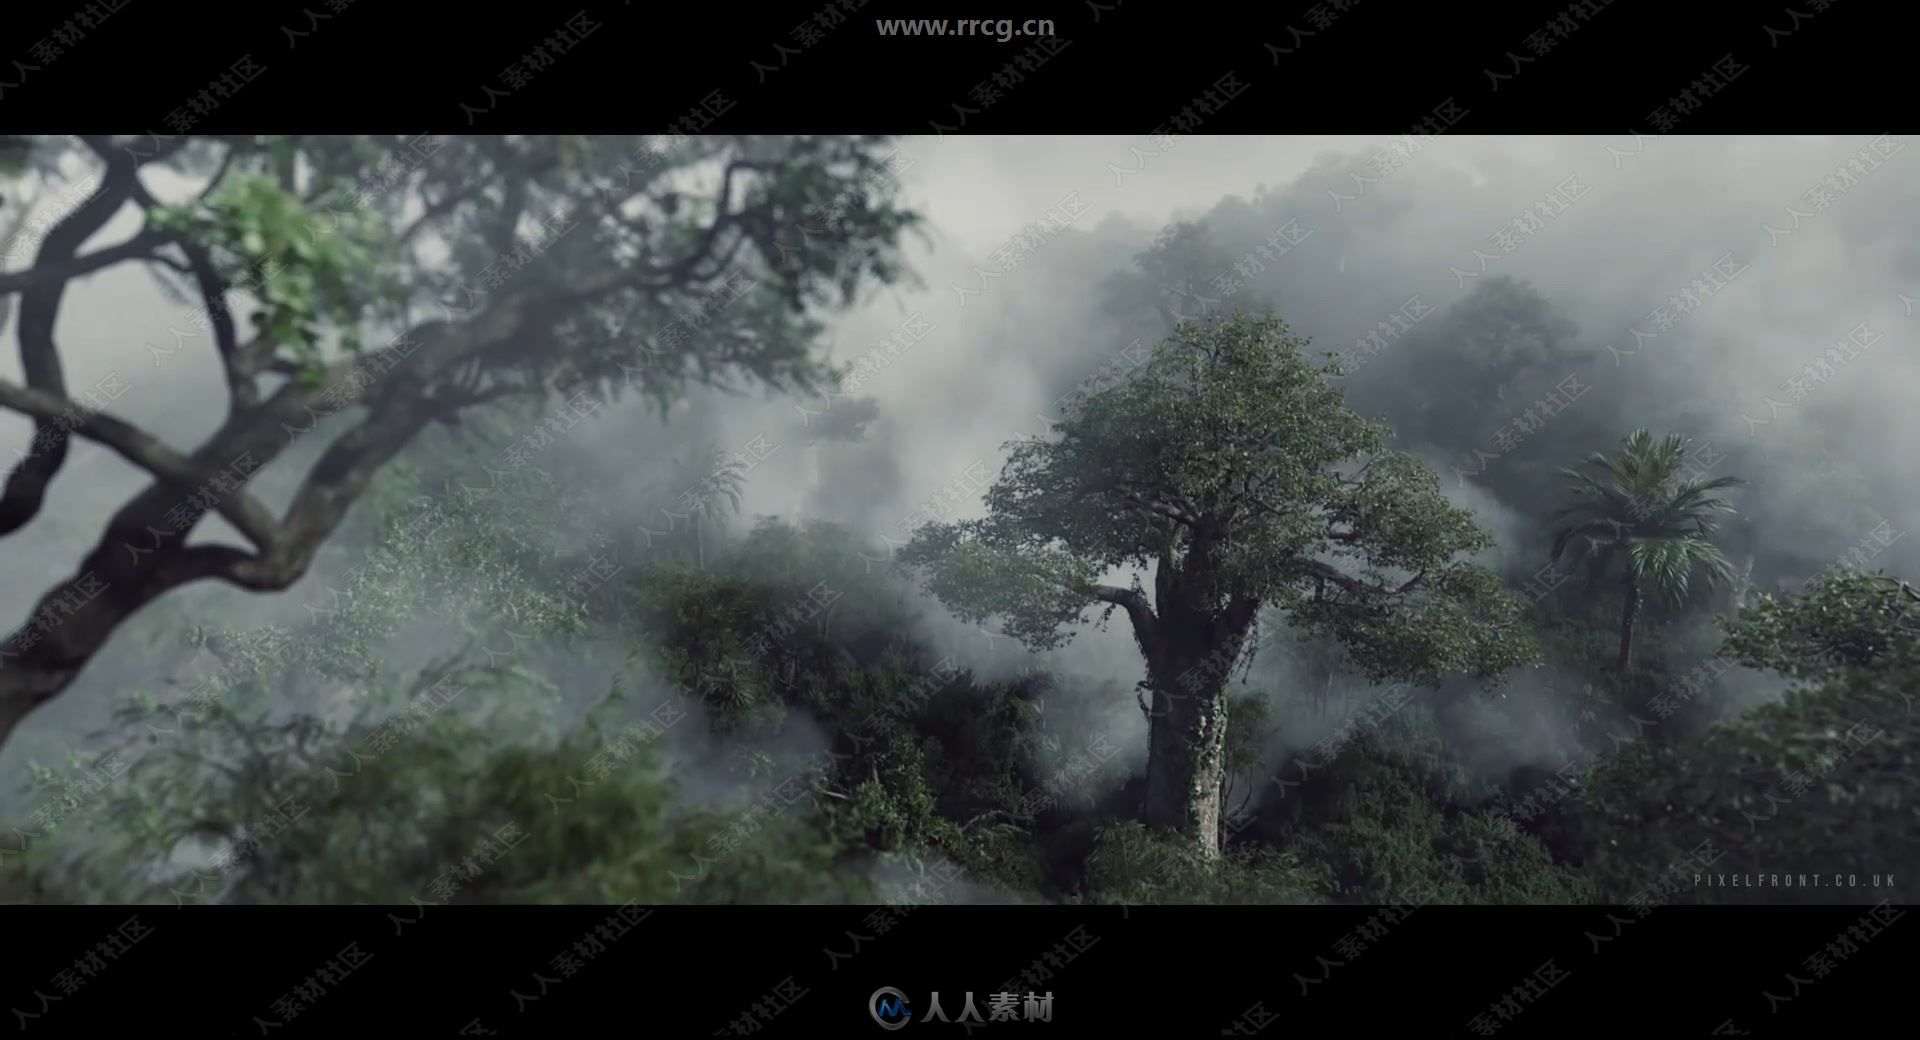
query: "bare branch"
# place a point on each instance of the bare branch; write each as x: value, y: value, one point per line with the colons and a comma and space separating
x: 220, y: 174
x: 26, y: 486
x: 143, y: 450
x: 53, y: 270
x: 1146, y: 624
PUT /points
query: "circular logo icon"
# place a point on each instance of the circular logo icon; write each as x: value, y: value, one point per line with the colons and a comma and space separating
x: 888, y: 1006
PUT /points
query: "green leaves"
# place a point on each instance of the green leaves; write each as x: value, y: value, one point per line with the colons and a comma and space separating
x: 1641, y: 497
x: 1229, y: 466
x: 311, y: 274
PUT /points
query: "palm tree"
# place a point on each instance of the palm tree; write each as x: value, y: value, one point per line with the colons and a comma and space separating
x: 1636, y: 504
x: 710, y: 485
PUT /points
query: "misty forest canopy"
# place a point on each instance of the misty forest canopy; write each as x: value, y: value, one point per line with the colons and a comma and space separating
x: 593, y: 680
x: 1231, y: 469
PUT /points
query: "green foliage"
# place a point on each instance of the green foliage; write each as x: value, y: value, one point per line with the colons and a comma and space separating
x: 1386, y: 821
x: 309, y: 278
x: 1228, y: 457
x: 1842, y: 621
x: 1817, y: 783
x: 1135, y: 866
x: 1640, y: 500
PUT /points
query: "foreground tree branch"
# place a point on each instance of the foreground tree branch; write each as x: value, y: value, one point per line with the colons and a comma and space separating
x: 541, y: 284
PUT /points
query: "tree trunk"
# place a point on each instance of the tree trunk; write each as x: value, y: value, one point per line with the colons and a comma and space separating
x: 1186, y: 756
x: 699, y: 547
x: 1627, y: 613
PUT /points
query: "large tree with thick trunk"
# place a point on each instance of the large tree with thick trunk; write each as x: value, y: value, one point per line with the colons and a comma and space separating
x: 358, y: 289
x: 1229, y: 469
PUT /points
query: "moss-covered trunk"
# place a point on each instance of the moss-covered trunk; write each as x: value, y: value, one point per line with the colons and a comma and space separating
x: 1186, y: 755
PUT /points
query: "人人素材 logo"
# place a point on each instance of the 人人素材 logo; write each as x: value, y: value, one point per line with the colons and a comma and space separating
x: 889, y: 1008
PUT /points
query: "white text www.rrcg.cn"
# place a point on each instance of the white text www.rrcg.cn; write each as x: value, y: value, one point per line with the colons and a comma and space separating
x: 1003, y: 30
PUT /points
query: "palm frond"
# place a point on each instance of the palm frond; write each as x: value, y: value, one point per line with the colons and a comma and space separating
x: 1636, y: 496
